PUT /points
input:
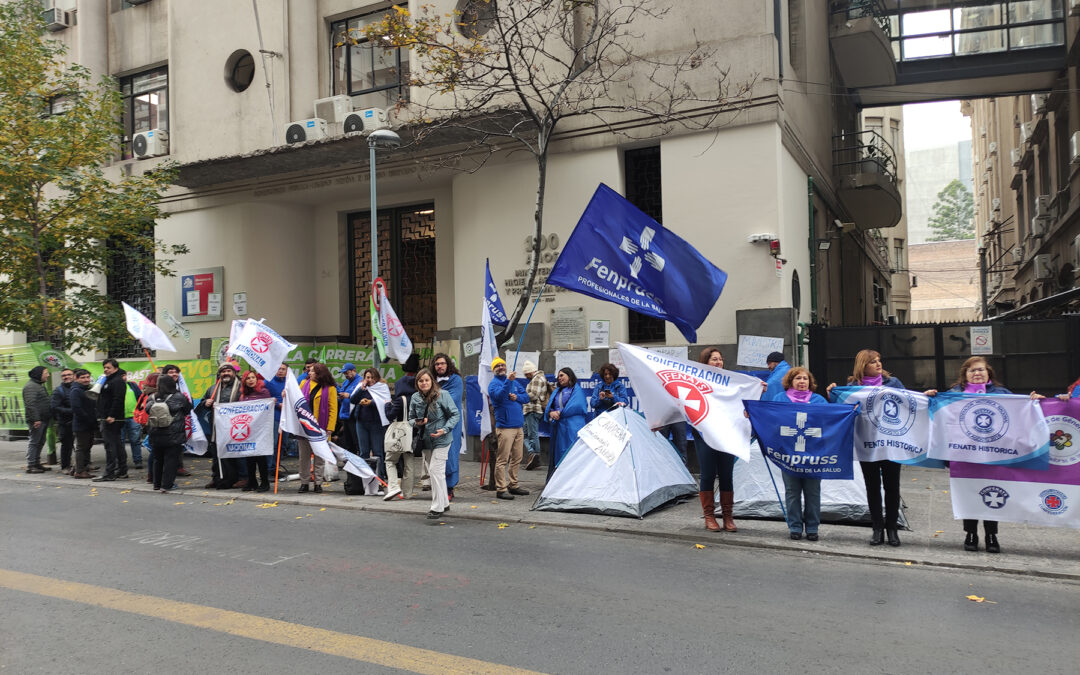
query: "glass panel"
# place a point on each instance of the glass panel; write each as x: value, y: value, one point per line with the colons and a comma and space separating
x: 361, y: 68
x: 922, y: 23
x: 338, y: 52
x: 385, y: 67
x: 978, y: 17
x: 982, y: 42
x: 1037, y: 36
x: 161, y: 120
x: 1021, y: 11
x: 155, y: 79
x: 921, y: 48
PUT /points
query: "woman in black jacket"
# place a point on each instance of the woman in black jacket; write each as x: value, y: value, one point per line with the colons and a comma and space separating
x: 168, y: 442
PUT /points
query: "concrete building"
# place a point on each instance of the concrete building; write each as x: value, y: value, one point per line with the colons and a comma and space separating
x: 945, y: 278
x: 286, y: 224
x: 928, y: 171
x: 889, y: 122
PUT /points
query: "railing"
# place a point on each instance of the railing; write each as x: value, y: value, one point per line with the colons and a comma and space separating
x: 864, y: 152
x: 860, y: 9
x: 951, y: 28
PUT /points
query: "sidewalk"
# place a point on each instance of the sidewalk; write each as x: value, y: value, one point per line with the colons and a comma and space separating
x: 935, y: 539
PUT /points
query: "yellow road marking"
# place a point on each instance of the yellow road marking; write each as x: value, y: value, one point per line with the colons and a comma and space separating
x: 369, y: 650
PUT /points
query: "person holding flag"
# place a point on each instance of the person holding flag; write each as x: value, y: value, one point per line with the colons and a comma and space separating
x: 715, y: 465
x: 320, y: 390
x: 508, y: 396
x: 977, y: 377
x: 802, y: 494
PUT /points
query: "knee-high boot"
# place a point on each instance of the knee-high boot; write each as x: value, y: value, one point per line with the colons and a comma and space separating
x: 708, y: 507
x: 727, y: 507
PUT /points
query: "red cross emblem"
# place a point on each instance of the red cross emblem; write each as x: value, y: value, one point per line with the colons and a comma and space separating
x: 393, y: 326
x: 261, y: 342
x: 187, y: 427
x: 1052, y: 502
x: 241, y: 427
x: 690, y: 391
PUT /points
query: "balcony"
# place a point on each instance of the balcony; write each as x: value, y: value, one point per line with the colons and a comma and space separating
x: 865, y: 165
x: 859, y: 33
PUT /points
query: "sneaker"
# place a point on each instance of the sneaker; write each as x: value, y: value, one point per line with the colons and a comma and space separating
x: 519, y: 491
x: 433, y: 515
x: 122, y: 476
x: 103, y: 479
x: 43, y: 467
x: 391, y: 495
x: 138, y: 465
x: 796, y: 536
x: 504, y: 495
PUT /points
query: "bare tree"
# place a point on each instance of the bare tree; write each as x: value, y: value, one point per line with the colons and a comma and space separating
x: 506, y: 75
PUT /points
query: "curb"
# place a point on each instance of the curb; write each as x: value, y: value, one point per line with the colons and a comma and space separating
x: 688, y: 538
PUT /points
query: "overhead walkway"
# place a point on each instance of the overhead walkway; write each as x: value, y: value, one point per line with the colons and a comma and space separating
x: 891, y: 52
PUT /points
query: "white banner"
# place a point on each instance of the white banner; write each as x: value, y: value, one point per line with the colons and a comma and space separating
x: 892, y: 423
x: 244, y: 428
x: 196, y: 443
x: 298, y: 420
x: 488, y: 353
x: 262, y: 347
x: 146, y: 331
x: 578, y: 361
x: 605, y: 436
x: 670, y: 390
x: 987, y: 429
x: 398, y: 344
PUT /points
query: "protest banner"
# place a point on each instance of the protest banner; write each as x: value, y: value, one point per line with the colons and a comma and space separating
x: 244, y: 428
x: 892, y: 424
x: 987, y: 429
x: 806, y: 440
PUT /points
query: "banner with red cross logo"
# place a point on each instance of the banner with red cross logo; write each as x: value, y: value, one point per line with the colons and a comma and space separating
x: 245, y: 428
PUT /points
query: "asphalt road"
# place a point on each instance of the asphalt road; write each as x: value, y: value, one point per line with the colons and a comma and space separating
x: 137, y: 583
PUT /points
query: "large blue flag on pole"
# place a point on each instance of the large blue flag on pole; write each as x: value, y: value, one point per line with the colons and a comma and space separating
x: 806, y: 440
x: 620, y: 254
x: 493, y: 301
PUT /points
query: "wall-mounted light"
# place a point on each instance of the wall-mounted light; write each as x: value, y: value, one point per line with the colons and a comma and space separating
x: 823, y: 244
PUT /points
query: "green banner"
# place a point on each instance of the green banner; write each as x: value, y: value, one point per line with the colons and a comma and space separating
x: 15, y: 365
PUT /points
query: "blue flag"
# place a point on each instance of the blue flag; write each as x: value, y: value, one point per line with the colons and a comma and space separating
x: 494, y: 302
x: 619, y: 254
x: 804, y: 439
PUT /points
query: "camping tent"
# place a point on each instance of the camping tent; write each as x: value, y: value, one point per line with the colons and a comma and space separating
x: 842, y: 501
x: 647, y: 474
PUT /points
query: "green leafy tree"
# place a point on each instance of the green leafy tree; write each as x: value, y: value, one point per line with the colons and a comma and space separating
x: 504, y: 76
x: 954, y: 213
x: 57, y: 207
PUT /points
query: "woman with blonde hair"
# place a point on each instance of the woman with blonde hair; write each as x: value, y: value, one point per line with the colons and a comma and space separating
x: 869, y: 372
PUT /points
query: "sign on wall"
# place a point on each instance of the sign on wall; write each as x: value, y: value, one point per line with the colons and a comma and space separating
x: 200, y: 294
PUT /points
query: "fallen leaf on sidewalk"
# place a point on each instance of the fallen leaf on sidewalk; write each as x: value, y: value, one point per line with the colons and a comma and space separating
x: 299, y: 517
x: 699, y: 546
x: 123, y: 501
x: 474, y: 506
x: 124, y: 492
x: 503, y: 526
x: 914, y: 479
x: 532, y: 527
x: 323, y: 508
x: 179, y: 503
x: 267, y: 505
x: 975, y: 598
x: 944, y: 492
x: 229, y: 503
x: 907, y: 563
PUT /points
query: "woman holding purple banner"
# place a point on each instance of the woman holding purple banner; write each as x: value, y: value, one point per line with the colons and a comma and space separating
x: 977, y: 377
x: 869, y: 372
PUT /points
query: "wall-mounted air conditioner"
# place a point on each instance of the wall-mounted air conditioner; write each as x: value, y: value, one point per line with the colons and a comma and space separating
x: 1016, y: 155
x: 1038, y: 104
x: 1042, y: 207
x: 1039, y: 226
x: 302, y: 131
x: 1027, y: 130
x: 993, y: 148
x: 1074, y: 7
x: 1044, y: 269
x: 1018, y: 254
x: 153, y: 143
x: 333, y: 109
x: 1074, y: 146
x: 1076, y: 252
x: 993, y: 282
x: 56, y: 19
x: 366, y: 121
x: 995, y: 204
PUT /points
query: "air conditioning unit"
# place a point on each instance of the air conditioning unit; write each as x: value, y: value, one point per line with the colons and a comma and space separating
x: 1076, y: 249
x: 366, y: 121
x: 1038, y: 103
x: 993, y: 282
x: 993, y: 148
x: 995, y: 204
x: 1039, y: 226
x: 982, y: 132
x: 1018, y: 254
x: 302, y: 131
x: 333, y: 109
x: 56, y: 19
x: 1074, y: 146
x: 153, y: 143
x: 1016, y: 155
x: 1027, y: 130
x: 1042, y: 207
x: 137, y: 2
x: 1074, y: 7
x: 989, y: 165
x: 1044, y: 269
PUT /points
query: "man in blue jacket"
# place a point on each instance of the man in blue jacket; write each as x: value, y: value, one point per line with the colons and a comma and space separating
x: 779, y: 368
x: 508, y: 397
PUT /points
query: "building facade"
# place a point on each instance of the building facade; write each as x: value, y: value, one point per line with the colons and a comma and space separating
x: 280, y: 229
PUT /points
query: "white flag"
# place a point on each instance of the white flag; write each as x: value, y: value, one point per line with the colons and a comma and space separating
x: 670, y: 390
x: 355, y: 465
x: 488, y: 352
x: 262, y: 347
x: 298, y: 420
x: 196, y: 443
x: 398, y: 344
x: 244, y: 428
x: 146, y: 331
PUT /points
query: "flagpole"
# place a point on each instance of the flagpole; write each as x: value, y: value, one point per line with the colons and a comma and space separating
x: 773, y: 479
x: 277, y: 464
x: 526, y: 328
x: 149, y: 358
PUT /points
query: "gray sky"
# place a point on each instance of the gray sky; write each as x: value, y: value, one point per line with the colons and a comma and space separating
x: 932, y: 125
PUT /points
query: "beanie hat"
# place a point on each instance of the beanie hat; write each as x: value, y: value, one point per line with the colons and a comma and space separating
x: 529, y: 367
x: 36, y: 372
x: 775, y: 357
x: 497, y: 362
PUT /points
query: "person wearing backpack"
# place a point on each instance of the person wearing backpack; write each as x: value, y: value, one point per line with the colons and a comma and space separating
x: 168, y: 431
x: 433, y: 414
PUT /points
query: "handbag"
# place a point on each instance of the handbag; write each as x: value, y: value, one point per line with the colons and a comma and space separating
x: 141, y: 416
x: 394, y: 440
x: 418, y: 438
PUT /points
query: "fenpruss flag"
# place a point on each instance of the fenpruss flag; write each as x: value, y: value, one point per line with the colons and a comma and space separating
x: 806, y: 440
x: 671, y: 390
x: 262, y: 347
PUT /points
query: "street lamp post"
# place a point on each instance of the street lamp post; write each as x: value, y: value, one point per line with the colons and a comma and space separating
x: 383, y: 139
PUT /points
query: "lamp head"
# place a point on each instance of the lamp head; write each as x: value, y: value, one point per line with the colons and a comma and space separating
x: 383, y: 139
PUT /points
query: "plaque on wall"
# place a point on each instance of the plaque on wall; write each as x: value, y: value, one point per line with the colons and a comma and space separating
x: 568, y: 328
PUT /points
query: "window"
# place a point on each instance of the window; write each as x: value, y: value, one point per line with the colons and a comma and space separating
x: 643, y: 190
x: 898, y: 249
x: 130, y: 277
x: 146, y: 104
x: 374, y: 77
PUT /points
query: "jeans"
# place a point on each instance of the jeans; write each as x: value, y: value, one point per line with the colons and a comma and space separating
x: 796, y: 489
x: 132, y: 435
x: 532, y: 434
x: 678, y: 435
x: 714, y: 465
x: 371, y: 444
x: 67, y: 443
x: 115, y: 455
x: 877, y: 474
x: 34, y: 444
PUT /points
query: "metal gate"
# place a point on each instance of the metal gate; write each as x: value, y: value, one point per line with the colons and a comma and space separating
x: 1043, y: 354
